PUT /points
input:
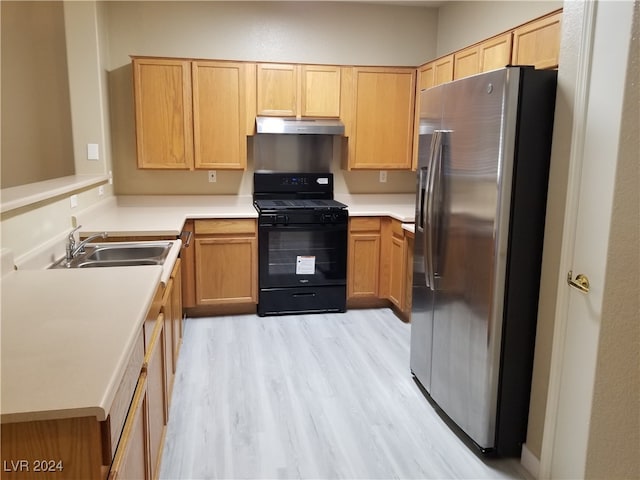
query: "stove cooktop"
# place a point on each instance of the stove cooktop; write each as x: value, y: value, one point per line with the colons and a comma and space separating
x: 298, y: 204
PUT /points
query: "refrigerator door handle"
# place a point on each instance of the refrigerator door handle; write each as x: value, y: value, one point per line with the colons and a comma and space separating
x: 437, y: 205
x: 422, y: 178
x: 430, y: 210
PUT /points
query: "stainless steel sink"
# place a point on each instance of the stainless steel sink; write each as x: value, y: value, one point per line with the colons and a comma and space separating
x: 118, y: 255
x: 129, y: 252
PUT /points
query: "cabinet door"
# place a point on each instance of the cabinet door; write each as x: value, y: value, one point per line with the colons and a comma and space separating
x: 277, y: 85
x: 426, y: 78
x: 363, y: 265
x: 383, y: 118
x: 164, y: 127
x: 397, y: 270
x: 443, y: 70
x: 538, y: 43
x: 226, y: 270
x: 219, y: 123
x: 177, y: 313
x: 130, y: 460
x: 188, y: 258
x: 466, y: 63
x: 320, y: 91
x: 408, y: 277
x: 167, y: 341
x: 155, y: 361
x: 496, y: 52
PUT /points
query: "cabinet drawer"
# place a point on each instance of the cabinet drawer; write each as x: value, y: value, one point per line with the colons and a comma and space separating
x: 225, y: 226
x: 362, y: 224
x: 122, y: 400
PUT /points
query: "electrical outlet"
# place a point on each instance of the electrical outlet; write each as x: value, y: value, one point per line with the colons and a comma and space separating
x: 213, y: 178
x: 101, y: 190
x: 383, y: 176
x: 73, y: 200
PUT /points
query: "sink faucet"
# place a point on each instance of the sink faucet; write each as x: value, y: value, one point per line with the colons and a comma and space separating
x: 73, y: 249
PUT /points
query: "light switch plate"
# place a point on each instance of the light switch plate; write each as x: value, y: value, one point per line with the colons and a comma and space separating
x: 92, y: 151
x: 73, y: 200
x: 213, y: 177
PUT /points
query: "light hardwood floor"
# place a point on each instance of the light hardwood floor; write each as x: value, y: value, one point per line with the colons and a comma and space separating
x: 308, y: 396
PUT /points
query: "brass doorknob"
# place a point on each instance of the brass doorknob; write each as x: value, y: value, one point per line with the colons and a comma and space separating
x: 581, y: 282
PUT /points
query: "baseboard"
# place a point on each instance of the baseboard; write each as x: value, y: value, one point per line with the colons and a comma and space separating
x: 530, y: 462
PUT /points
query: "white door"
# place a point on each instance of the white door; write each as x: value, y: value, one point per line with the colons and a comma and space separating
x: 596, y: 134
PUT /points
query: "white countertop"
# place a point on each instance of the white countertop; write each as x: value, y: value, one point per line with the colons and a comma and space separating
x: 158, y: 215
x: 400, y: 206
x: 67, y: 336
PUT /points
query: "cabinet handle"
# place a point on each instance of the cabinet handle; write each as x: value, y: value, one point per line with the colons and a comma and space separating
x: 187, y: 242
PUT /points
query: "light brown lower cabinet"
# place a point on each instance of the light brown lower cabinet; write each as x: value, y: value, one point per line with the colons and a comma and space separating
x: 157, y: 396
x: 398, y: 266
x: 363, y: 261
x: 129, y: 443
x: 226, y: 261
x: 380, y: 264
x: 130, y: 461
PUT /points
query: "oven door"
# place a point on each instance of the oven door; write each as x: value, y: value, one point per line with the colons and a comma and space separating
x: 296, y: 255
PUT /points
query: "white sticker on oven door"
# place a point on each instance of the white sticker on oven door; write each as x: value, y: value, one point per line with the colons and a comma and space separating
x: 305, y: 265
x: 323, y: 181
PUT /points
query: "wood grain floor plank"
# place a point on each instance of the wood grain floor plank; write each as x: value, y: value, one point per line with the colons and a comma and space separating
x: 308, y: 396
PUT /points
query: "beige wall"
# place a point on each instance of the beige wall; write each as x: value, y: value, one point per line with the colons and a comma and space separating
x: 464, y: 23
x: 36, y: 119
x: 25, y: 229
x: 306, y: 32
x: 558, y: 176
x: 614, y: 431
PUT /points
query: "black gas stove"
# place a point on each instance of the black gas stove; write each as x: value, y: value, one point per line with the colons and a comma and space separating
x: 302, y: 243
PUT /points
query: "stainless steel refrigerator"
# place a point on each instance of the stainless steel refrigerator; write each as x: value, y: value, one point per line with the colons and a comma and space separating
x: 484, y: 148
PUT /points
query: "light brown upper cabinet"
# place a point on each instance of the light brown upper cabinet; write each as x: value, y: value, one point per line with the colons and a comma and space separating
x: 164, y: 127
x: 425, y: 78
x: 219, y: 115
x: 495, y: 53
x: 489, y: 55
x: 277, y: 86
x: 443, y: 70
x: 191, y: 110
x: 298, y: 90
x: 466, y: 62
x: 538, y: 43
x: 320, y: 91
x: 380, y: 123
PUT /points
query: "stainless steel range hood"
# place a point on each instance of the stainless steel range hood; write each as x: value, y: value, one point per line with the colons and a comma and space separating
x: 304, y: 126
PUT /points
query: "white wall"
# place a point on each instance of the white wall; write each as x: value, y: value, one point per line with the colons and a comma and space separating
x: 464, y: 23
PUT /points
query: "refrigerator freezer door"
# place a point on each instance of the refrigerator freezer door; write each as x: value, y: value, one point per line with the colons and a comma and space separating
x: 465, y: 354
x: 422, y: 300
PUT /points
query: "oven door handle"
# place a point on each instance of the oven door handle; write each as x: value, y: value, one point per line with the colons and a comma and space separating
x: 319, y: 227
